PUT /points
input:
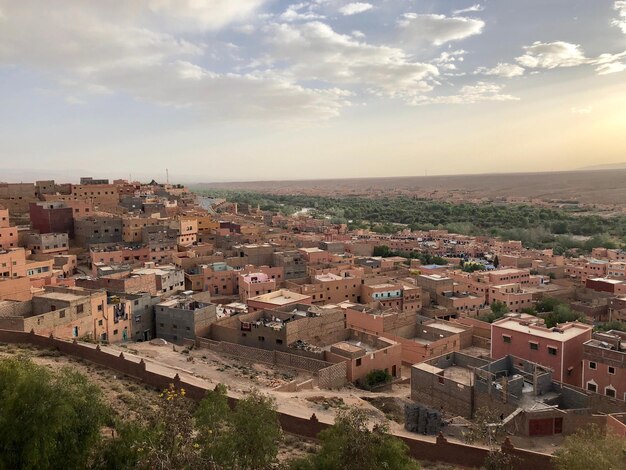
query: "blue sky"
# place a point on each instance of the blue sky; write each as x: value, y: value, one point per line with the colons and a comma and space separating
x: 262, y: 89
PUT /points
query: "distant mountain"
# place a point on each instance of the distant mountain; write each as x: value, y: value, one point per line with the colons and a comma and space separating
x: 606, y: 166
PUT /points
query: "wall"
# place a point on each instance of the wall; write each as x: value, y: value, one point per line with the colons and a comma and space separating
x: 329, y: 375
x: 441, y: 450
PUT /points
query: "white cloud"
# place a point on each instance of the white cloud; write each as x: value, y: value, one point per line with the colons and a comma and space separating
x: 564, y: 54
x: 300, y: 12
x: 447, y: 59
x: 620, y: 7
x: 86, y: 49
x: 358, y: 34
x: 581, y: 110
x: 476, y: 93
x: 186, y: 14
x: 355, y: 8
x: 316, y: 52
x: 474, y: 8
x: 439, y: 29
x: 610, y: 63
x: 552, y: 55
x: 501, y: 70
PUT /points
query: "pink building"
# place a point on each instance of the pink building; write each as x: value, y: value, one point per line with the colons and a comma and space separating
x: 604, y: 364
x: 559, y: 348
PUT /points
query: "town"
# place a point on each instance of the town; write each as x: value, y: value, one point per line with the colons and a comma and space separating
x: 445, y: 326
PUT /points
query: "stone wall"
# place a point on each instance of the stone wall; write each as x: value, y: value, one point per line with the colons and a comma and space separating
x: 329, y: 375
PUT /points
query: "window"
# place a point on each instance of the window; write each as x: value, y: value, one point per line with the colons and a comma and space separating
x: 100, y: 308
x: 611, y: 370
x: 552, y: 351
x: 99, y: 322
x: 62, y: 314
x: 592, y: 387
x: 261, y: 338
x: 115, y: 332
x: 506, y: 339
x: 279, y: 341
x: 358, y: 362
x: 174, y: 326
x: 79, y: 308
x: 533, y: 346
x: 593, y: 365
x: 609, y: 392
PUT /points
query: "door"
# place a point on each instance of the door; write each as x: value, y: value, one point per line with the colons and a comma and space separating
x: 541, y: 427
x: 558, y: 425
x: 393, y: 371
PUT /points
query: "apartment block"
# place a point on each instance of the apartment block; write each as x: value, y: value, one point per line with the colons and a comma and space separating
x: 604, y: 364
x: 559, y: 348
x: 48, y: 243
x: 183, y: 318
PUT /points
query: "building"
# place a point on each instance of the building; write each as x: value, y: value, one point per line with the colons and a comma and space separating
x: 52, y: 217
x: 182, y: 318
x: 559, y: 348
x: 604, y: 364
x: 364, y: 353
x: 279, y: 298
x: 8, y: 234
x: 62, y: 312
x: 97, y: 229
x: 48, y: 243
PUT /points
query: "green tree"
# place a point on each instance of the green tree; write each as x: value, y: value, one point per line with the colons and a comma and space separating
x: 47, y: 420
x: 589, y: 448
x: 245, y: 438
x: 351, y: 445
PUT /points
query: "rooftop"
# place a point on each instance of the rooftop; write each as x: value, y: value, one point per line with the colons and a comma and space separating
x: 279, y: 297
x: 563, y: 332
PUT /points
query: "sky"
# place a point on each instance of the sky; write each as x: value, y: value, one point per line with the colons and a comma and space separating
x: 234, y: 90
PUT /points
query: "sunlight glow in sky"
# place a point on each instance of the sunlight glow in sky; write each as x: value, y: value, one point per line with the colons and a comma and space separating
x: 267, y: 89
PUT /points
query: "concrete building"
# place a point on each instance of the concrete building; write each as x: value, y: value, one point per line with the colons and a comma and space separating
x: 169, y: 278
x: 63, y: 312
x: 364, y: 353
x: 604, y: 364
x: 293, y: 263
x: 52, y: 217
x: 97, y: 229
x: 559, y: 348
x: 48, y: 243
x: 279, y: 298
x: 182, y: 319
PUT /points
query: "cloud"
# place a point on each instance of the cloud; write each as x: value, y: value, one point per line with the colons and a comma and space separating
x: 581, y: 110
x: 474, y: 8
x: 620, y: 7
x: 300, y: 12
x: 358, y: 34
x: 86, y: 49
x: 447, y: 59
x: 563, y: 54
x: 552, y: 55
x: 501, y: 70
x: 355, y: 8
x: 468, y: 94
x: 315, y: 51
x: 439, y: 29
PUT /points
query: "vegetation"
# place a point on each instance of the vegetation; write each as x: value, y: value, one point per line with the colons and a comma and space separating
x: 425, y: 258
x: 57, y: 420
x: 536, y: 227
x: 47, y: 421
x: 498, y: 310
x: 589, y: 447
x: 351, y: 445
x: 377, y: 377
